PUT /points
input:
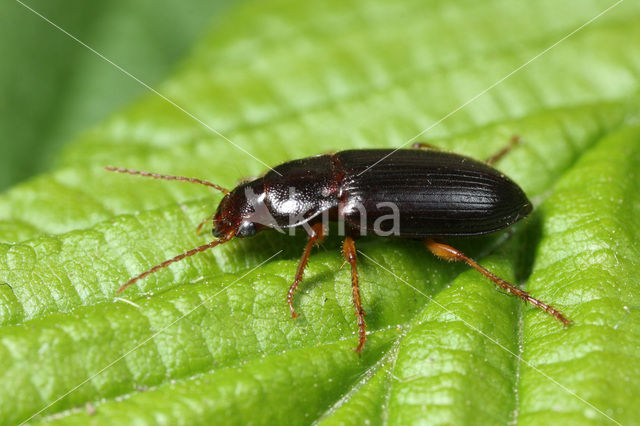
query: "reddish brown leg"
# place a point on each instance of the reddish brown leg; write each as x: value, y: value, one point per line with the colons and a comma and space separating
x: 173, y: 260
x: 422, y: 145
x: 515, y: 140
x: 316, y: 236
x: 449, y: 253
x: 349, y: 252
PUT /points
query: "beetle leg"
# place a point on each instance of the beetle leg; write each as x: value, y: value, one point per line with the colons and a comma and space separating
x: 204, y: 222
x: 315, y: 237
x: 349, y: 252
x: 515, y: 140
x: 449, y: 253
x: 422, y: 145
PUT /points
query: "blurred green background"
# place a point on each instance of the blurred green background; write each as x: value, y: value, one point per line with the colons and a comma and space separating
x: 51, y: 88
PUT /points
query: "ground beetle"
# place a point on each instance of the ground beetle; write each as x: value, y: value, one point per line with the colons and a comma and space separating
x: 435, y: 194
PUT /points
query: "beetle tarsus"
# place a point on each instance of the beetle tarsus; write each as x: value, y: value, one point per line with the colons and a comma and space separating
x: 349, y: 252
x: 451, y: 254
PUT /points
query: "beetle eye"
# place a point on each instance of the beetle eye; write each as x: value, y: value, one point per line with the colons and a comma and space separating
x: 246, y: 229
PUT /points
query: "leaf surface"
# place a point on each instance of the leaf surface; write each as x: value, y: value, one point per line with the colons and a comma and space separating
x: 210, y: 338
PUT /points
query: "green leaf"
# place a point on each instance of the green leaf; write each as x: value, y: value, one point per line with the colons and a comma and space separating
x: 210, y: 338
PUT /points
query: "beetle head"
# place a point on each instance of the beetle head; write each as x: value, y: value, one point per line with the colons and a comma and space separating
x: 237, y: 212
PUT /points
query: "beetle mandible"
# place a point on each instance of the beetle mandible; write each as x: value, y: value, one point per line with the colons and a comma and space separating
x: 437, y: 194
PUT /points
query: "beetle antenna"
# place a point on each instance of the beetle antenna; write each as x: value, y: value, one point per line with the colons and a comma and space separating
x: 174, y: 260
x: 166, y: 177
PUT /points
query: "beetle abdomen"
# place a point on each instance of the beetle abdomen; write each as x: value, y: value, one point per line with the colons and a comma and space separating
x: 435, y: 193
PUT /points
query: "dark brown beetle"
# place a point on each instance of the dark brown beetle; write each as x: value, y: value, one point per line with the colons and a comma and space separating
x: 435, y: 194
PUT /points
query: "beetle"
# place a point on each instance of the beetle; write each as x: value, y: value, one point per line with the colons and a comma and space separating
x: 435, y: 193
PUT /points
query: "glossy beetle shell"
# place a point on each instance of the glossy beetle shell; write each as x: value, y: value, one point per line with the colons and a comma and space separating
x: 435, y: 193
